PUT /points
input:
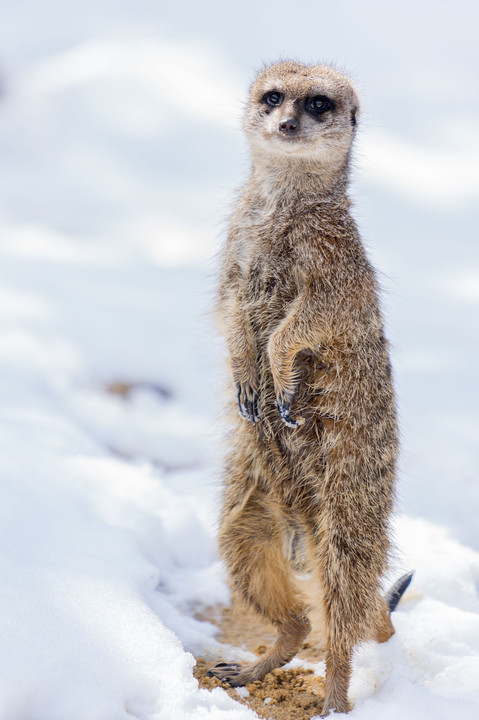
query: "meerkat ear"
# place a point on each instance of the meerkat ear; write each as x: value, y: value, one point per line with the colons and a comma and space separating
x: 353, y: 116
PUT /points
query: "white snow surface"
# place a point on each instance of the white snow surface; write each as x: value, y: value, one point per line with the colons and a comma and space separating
x: 120, y: 147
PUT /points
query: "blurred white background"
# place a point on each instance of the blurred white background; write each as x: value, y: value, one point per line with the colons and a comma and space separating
x: 120, y: 152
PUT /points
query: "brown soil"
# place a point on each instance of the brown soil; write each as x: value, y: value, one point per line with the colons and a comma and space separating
x: 283, y: 694
x: 126, y: 389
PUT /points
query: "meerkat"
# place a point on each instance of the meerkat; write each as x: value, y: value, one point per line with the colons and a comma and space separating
x: 314, y: 446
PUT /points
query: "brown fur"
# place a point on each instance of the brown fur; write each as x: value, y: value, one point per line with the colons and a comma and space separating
x: 298, y: 306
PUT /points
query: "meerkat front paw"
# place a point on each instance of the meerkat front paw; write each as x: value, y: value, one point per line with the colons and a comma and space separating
x: 247, y: 402
x: 283, y: 403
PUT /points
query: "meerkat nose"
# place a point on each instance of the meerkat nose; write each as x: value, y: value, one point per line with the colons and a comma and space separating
x: 289, y: 127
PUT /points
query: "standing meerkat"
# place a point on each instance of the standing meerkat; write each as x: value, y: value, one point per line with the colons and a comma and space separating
x: 310, y: 473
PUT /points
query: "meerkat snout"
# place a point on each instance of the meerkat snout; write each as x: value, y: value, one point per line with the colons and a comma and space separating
x: 289, y: 127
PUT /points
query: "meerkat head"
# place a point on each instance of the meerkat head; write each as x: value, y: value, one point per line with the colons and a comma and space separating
x: 303, y: 111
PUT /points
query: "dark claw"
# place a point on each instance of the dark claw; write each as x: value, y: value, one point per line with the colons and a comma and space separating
x: 247, y: 402
x: 224, y: 672
x: 284, y: 409
x: 396, y: 592
x: 234, y: 680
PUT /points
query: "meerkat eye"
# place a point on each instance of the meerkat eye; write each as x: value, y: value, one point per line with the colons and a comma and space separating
x: 318, y: 104
x: 273, y: 98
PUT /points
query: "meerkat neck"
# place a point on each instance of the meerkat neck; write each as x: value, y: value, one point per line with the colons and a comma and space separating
x: 300, y: 178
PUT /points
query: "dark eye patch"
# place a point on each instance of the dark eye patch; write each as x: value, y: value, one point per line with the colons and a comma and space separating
x: 317, y: 105
x: 274, y: 98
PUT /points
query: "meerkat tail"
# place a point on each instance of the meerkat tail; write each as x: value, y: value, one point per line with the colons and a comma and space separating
x: 397, y: 590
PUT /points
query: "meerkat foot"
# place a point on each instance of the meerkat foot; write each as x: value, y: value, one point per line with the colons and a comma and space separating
x: 223, y: 671
x: 231, y: 673
x: 239, y: 675
x: 284, y: 408
x: 247, y: 402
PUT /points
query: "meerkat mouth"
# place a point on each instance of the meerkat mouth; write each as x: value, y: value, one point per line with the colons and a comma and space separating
x: 289, y: 144
x: 281, y: 144
x: 289, y: 138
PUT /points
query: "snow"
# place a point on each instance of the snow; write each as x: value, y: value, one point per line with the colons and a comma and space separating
x: 120, y: 150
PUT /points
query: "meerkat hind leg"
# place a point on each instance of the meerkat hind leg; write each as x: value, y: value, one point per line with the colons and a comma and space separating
x: 252, y: 544
x: 289, y: 641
